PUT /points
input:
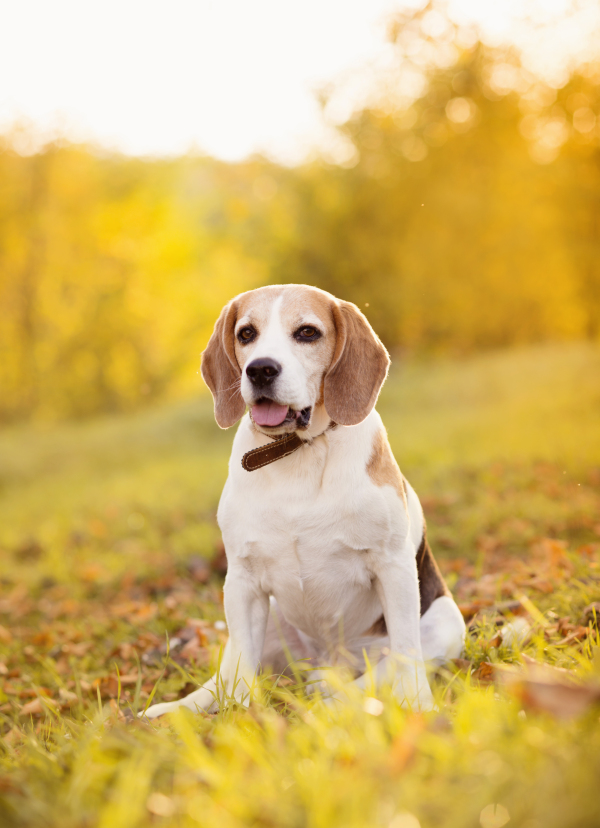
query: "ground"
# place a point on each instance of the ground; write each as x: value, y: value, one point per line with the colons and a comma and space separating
x: 110, y: 595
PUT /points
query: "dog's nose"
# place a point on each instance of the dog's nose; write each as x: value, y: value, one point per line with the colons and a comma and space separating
x: 262, y: 372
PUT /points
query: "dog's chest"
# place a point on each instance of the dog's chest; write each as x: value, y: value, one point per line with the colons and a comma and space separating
x: 311, y: 548
x: 318, y: 577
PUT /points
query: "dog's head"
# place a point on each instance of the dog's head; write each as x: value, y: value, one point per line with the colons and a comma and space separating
x: 287, y: 350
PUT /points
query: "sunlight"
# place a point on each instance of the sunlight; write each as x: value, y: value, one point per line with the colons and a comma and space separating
x: 231, y: 78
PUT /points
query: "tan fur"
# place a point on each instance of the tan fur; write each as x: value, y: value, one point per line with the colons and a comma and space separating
x: 299, y: 303
x: 382, y: 467
x: 349, y: 354
x: 254, y: 308
x: 221, y: 370
x: 358, y: 368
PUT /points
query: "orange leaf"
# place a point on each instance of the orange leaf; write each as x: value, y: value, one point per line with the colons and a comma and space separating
x: 485, y: 672
x: 545, y: 689
x: 36, y: 707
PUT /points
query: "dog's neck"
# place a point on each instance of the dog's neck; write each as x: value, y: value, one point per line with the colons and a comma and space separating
x: 282, y: 445
x: 319, y: 423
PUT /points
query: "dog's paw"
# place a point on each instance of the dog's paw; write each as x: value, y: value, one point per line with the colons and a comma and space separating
x: 415, y: 696
x: 156, y: 710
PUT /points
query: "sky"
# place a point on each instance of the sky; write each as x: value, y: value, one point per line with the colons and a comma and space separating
x: 229, y: 77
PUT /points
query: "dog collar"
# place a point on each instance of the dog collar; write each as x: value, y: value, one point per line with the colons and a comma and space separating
x: 281, y: 447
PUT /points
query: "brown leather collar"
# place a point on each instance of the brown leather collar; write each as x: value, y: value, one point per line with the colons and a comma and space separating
x: 281, y: 447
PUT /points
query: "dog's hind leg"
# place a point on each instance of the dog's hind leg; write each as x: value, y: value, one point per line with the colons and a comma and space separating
x: 442, y: 631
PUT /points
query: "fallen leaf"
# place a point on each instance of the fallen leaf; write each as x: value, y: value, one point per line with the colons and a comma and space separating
x: 78, y: 650
x: 485, y: 672
x: 468, y: 610
x: 13, y: 736
x: 591, y: 614
x: 66, y: 696
x: 109, y: 685
x: 578, y: 634
x: 36, y: 707
x: 542, y: 688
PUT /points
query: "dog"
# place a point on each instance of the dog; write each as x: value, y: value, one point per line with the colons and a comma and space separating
x: 328, y: 559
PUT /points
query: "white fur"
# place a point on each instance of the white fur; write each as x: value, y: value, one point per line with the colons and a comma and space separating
x: 317, y: 553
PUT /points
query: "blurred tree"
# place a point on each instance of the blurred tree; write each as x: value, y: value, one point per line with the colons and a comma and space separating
x: 467, y: 215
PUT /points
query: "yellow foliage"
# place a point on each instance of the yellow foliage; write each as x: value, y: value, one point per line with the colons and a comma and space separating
x: 469, y: 220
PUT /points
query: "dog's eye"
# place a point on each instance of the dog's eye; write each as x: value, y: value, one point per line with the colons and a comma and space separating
x: 307, y: 334
x: 246, y: 335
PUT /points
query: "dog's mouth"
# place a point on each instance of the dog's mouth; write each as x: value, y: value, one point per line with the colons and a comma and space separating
x: 269, y: 414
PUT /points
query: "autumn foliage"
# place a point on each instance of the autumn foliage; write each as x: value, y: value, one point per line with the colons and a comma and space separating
x: 465, y: 217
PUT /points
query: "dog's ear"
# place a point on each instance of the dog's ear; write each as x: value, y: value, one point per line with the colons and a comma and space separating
x: 358, y: 368
x: 220, y: 369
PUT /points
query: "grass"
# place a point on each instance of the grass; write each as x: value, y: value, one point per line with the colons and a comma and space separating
x: 109, y: 545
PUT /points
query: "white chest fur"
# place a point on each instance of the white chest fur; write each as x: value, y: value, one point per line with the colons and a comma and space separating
x: 306, y: 527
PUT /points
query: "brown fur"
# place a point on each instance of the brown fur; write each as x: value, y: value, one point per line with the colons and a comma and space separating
x: 431, y: 582
x: 221, y: 370
x: 254, y: 308
x: 382, y: 467
x: 350, y: 355
x: 383, y: 471
x: 358, y: 368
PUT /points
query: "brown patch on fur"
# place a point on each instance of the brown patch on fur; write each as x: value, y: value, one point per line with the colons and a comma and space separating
x: 358, y: 368
x: 379, y: 628
x: 255, y: 306
x: 321, y: 394
x: 303, y: 304
x: 221, y: 371
x: 431, y: 582
x: 382, y: 467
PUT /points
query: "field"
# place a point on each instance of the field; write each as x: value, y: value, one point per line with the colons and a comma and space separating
x: 110, y: 595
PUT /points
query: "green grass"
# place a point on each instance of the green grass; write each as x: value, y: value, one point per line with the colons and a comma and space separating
x: 104, y: 527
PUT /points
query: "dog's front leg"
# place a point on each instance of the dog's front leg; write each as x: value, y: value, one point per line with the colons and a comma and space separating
x: 246, y: 609
x: 247, y: 612
x: 396, y: 581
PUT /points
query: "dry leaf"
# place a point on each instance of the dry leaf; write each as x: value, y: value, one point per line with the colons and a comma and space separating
x: 485, y: 672
x: 36, y: 707
x: 578, y: 634
x: 13, y: 736
x: 591, y: 614
x: 542, y: 688
x: 66, y: 696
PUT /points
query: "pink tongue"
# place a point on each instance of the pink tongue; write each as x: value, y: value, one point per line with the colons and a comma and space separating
x: 269, y: 413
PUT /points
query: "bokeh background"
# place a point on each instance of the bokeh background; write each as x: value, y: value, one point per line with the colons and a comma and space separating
x: 457, y: 203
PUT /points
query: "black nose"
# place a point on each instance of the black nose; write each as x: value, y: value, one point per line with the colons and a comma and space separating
x: 262, y: 372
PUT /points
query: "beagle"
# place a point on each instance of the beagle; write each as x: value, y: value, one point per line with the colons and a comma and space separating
x: 327, y: 555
